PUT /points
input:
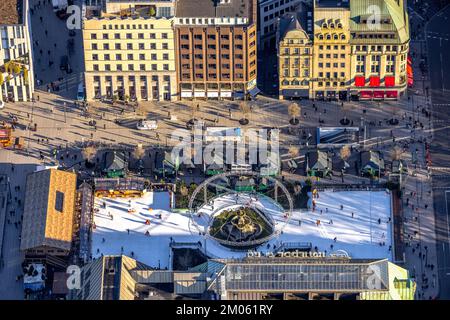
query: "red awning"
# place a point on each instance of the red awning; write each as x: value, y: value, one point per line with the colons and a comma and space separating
x: 366, y: 94
x: 360, y: 81
x: 391, y: 94
x: 374, y: 81
x: 389, y: 81
x: 378, y: 94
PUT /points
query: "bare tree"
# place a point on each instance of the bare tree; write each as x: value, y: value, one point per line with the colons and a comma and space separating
x: 138, y: 152
x: 293, y: 151
x: 184, y: 191
x: 295, y: 111
x: 193, y: 106
x: 345, y: 109
x: 245, y: 109
x: 396, y: 153
x: 89, y: 153
x: 345, y: 153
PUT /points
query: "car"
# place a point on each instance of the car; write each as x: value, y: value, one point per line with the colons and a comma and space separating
x: 2, y: 104
x: 147, y: 125
x: 64, y: 65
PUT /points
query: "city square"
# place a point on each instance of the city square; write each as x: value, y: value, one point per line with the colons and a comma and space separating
x: 362, y: 174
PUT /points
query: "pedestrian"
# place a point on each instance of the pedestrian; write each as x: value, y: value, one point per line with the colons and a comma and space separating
x: 353, y: 215
x: 335, y: 239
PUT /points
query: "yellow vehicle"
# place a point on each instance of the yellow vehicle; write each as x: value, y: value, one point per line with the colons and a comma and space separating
x: 5, y: 137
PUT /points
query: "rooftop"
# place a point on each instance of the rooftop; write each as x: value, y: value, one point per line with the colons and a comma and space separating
x: 214, y: 8
x: 10, y: 12
x: 49, y: 209
x: 360, y: 236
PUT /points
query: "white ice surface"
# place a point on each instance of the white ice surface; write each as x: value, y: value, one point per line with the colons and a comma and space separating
x: 360, y: 236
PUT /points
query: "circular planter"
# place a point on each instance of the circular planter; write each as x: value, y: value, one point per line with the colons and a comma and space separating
x: 243, y: 122
x: 345, y: 122
x: 393, y: 122
x: 294, y: 122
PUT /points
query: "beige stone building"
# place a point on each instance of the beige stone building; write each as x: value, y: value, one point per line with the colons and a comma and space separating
x: 16, y: 59
x: 129, y: 51
x: 358, y: 50
x: 295, y: 50
x: 49, y: 213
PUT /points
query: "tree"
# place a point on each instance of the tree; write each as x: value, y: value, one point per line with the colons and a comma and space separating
x: 396, y: 153
x: 138, y: 152
x: 394, y: 111
x: 152, y: 11
x: 345, y: 152
x: 295, y: 111
x: 293, y: 151
x: 184, y: 191
x: 245, y: 109
x: 345, y: 121
x: 89, y: 153
x: 16, y: 68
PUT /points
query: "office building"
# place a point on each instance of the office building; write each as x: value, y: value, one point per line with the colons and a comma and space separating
x: 16, y: 58
x: 216, y: 45
x: 129, y: 51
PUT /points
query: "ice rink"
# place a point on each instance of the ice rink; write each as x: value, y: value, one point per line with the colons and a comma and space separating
x: 365, y: 234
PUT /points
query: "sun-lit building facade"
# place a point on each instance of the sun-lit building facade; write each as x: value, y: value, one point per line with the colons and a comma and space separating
x: 129, y: 51
x: 358, y: 50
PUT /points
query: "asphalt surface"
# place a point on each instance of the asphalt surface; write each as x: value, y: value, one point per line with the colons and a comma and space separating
x: 438, y: 44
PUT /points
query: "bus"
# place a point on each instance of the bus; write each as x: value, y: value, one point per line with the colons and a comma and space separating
x: 80, y: 92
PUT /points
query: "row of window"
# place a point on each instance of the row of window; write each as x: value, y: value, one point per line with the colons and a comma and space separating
x: 131, y: 67
x: 328, y: 36
x: 130, y: 56
x: 212, y: 56
x: 212, y: 47
x: 375, y: 68
x: 213, y: 76
x: 211, y: 37
x: 154, y: 78
x: 276, y: 5
x: 130, y: 46
x: 118, y: 36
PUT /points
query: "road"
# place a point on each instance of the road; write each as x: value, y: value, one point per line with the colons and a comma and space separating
x: 438, y: 43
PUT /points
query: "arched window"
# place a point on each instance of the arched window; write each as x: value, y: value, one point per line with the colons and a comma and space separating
x: 328, y: 37
x: 335, y: 37
x: 343, y: 37
x: 324, y: 25
x: 295, y: 82
x: 320, y: 36
x: 339, y: 25
x: 331, y: 25
x: 285, y: 83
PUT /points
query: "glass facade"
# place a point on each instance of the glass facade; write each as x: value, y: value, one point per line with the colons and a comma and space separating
x: 306, y: 275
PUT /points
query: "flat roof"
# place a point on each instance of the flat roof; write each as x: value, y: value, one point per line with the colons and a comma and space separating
x: 213, y: 8
x: 10, y: 11
x: 360, y: 235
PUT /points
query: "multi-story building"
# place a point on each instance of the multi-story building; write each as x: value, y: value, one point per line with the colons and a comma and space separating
x: 355, y: 52
x: 49, y: 213
x: 295, y: 49
x: 269, y: 11
x: 379, y: 49
x: 129, y: 50
x: 216, y: 44
x: 263, y: 278
x: 16, y: 59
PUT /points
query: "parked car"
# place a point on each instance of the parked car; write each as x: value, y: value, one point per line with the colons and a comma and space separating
x: 147, y: 125
x: 64, y: 65
x: 2, y: 104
